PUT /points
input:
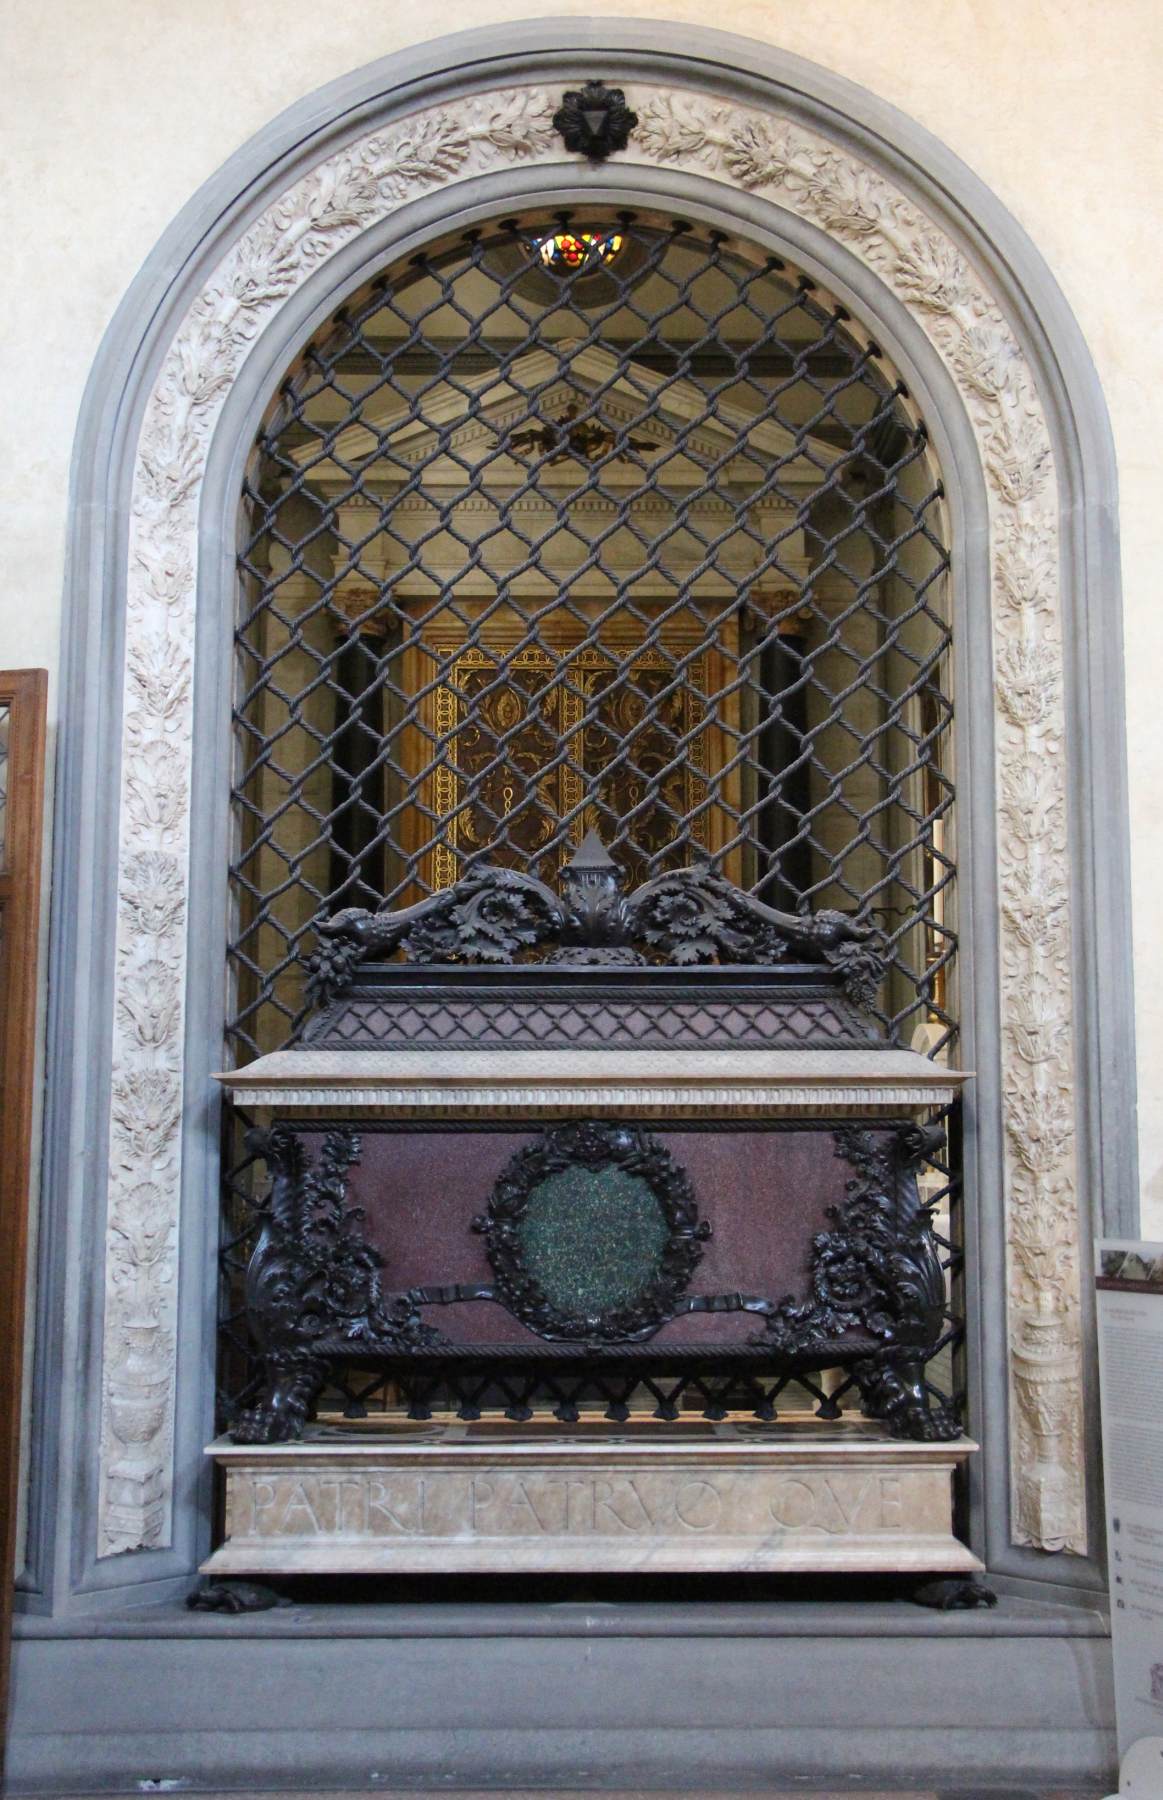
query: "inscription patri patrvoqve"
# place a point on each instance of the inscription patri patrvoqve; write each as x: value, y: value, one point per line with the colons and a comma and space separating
x: 553, y: 1503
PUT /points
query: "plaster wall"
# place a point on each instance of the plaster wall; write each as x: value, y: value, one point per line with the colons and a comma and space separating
x: 116, y: 114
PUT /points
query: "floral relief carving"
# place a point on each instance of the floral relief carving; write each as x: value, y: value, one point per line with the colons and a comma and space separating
x: 1018, y: 457
x: 854, y: 203
x: 307, y: 224
x: 153, y: 893
x: 933, y: 278
x: 148, y: 1003
x: 984, y: 361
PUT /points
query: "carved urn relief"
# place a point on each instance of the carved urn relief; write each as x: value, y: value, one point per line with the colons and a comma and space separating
x: 138, y: 1410
x: 1042, y: 1370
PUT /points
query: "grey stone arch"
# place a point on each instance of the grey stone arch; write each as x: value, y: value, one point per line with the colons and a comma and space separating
x: 64, y: 1573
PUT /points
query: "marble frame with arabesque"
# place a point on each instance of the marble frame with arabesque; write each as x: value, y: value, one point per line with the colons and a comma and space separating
x: 788, y: 158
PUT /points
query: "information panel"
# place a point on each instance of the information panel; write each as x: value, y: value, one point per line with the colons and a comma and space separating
x: 1130, y: 1333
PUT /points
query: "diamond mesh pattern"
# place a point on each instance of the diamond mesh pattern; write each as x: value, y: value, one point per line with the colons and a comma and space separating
x: 562, y: 1025
x: 652, y: 545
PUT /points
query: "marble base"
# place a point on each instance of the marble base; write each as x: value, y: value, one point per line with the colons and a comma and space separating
x: 493, y: 1498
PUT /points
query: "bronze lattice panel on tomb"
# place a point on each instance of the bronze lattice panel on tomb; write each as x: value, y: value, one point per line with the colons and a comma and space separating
x: 648, y: 543
x: 386, y: 1013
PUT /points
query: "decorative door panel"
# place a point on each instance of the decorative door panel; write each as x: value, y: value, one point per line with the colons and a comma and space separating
x: 519, y: 736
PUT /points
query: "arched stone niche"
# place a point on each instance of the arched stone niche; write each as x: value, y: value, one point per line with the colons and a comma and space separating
x: 780, y: 153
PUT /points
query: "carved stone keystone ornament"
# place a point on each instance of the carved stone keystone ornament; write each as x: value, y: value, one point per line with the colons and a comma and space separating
x: 594, y: 120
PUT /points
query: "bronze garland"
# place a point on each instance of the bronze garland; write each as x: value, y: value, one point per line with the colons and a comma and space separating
x: 877, y: 1272
x: 593, y: 1145
x: 313, y: 1282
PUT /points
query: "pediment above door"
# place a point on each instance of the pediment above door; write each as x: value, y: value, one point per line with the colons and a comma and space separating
x: 453, y: 430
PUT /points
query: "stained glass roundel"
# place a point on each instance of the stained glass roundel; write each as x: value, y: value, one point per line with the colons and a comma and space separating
x: 571, y: 252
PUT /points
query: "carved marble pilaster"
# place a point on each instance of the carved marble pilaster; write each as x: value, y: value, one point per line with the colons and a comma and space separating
x: 856, y: 204
x: 348, y: 192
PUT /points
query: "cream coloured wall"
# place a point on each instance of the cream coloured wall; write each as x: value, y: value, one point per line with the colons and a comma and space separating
x: 116, y: 113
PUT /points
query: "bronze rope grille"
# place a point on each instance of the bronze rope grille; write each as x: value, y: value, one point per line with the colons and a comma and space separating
x: 650, y: 545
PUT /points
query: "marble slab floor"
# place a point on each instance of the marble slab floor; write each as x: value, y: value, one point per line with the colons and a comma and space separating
x: 795, y: 1792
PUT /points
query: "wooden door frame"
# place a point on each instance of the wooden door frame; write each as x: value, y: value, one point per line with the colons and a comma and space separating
x: 23, y: 692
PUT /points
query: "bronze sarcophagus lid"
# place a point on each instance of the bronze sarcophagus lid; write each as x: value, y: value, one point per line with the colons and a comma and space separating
x: 542, y: 1155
